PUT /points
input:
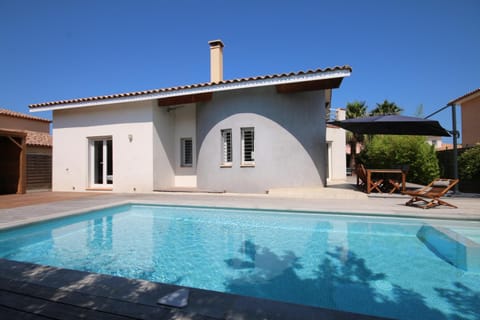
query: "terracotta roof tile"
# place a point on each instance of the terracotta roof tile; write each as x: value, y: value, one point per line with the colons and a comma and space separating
x: 39, y: 139
x: 471, y: 93
x: 193, y: 86
x: 14, y: 114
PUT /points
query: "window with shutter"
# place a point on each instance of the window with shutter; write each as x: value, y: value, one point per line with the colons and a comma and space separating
x: 186, y: 152
x: 226, y: 147
x: 248, y: 146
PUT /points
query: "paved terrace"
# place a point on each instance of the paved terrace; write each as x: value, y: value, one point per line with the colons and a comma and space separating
x: 30, y: 291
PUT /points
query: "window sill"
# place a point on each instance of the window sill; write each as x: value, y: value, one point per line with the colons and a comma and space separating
x: 247, y: 165
x: 226, y: 165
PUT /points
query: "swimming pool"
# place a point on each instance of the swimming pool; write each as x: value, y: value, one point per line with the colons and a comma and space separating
x: 391, y: 267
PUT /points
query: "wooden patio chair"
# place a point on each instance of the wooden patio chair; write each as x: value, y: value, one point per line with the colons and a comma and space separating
x: 394, y: 183
x: 430, y: 195
x: 362, y: 179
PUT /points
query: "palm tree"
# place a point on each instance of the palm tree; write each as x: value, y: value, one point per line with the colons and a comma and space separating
x: 386, y: 107
x: 356, y: 109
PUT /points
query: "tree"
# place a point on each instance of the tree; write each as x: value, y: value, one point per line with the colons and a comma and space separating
x: 388, y: 151
x: 356, y: 109
x: 385, y: 108
x: 469, y: 164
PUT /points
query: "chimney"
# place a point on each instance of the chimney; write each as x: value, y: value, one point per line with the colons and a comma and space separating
x: 340, y: 114
x: 216, y: 60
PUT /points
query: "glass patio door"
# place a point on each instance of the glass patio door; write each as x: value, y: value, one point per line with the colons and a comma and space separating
x: 101, y: 162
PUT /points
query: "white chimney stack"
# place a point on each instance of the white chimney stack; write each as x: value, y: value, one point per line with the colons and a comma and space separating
x: 340, y: 114
x: 216, y: 60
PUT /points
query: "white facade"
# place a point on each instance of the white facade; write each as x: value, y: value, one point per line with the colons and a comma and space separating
x: 337, y: 164
x: 129, y: 126
x: 436, y: 142
x: 145, y: 144
x: 145, y: 154
x: 336, y: 138
x: 177, y: 137
x: 289, y: 140
x: 174, y: 137
x: 185, y: 127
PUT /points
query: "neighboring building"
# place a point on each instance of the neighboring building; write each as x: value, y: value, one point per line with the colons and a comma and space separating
x: 449, y: 146
x: 242, y: 135
x: 26, y: 153
x: 436, y: 142
x: 470, y: 106
x: 336, y: 137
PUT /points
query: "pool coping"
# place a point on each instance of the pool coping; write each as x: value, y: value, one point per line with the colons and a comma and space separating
x: 419, y: 215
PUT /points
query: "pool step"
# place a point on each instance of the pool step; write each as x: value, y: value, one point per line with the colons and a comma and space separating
x: 452, y: 247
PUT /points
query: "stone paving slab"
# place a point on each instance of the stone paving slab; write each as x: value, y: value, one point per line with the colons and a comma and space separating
x: 34, y: 198
x: 375, y: 204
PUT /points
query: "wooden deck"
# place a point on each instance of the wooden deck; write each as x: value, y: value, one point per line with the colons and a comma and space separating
x: 30, y: 291
x: 23, y: 300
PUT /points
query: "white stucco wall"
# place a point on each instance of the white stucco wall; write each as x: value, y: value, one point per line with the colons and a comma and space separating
x: 185, y: 127
x: 132, y: 160
x: 337, y: 164
x: 290, y: 148
x: 435, y: 141
x: 290, y: 142
x: 163, y: 147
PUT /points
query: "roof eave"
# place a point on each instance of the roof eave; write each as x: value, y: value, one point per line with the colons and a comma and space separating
x: 465, y: 98
x: 224, y: 86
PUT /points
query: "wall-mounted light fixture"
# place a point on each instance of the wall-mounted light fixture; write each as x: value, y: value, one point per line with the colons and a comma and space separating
x: 130, y: 137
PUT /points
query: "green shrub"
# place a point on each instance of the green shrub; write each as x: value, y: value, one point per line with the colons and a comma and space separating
x: 469, y: 163
x: 390, y: 151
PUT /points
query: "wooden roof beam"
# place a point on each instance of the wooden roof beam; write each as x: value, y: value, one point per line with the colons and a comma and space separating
x: 191, y: 98
x: 309, y: 85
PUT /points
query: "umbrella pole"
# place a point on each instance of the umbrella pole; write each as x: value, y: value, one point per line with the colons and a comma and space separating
x: 455, y: 135
x: 455, y: 153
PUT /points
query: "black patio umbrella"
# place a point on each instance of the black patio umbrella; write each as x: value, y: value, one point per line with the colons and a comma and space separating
x: 393, y: 124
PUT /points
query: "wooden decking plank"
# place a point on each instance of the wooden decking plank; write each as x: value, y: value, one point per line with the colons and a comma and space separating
x: 8, y: 313
x: 52, y: 309
x: 97, y: 304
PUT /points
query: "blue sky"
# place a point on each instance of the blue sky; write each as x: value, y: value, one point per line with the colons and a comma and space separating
x: 411, y: 52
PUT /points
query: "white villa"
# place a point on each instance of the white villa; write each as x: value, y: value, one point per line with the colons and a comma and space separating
x: 241, y: 135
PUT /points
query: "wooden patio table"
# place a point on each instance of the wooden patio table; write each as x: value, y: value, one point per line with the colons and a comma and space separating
x: 399, y: 172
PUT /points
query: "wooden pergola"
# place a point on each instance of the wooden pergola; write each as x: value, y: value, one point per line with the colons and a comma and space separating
x: 13, y: 161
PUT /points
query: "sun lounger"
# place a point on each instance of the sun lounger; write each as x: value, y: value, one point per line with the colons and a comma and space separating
x: 429, y: 196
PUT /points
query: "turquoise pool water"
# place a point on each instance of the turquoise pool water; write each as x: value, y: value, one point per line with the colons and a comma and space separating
x: 368, y: 265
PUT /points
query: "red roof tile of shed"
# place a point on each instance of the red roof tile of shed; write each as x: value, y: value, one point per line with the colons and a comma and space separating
x: 38, y: 139
x: 14, y: 114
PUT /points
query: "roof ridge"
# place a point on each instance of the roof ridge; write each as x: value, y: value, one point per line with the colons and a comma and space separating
x: 192, y: 86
